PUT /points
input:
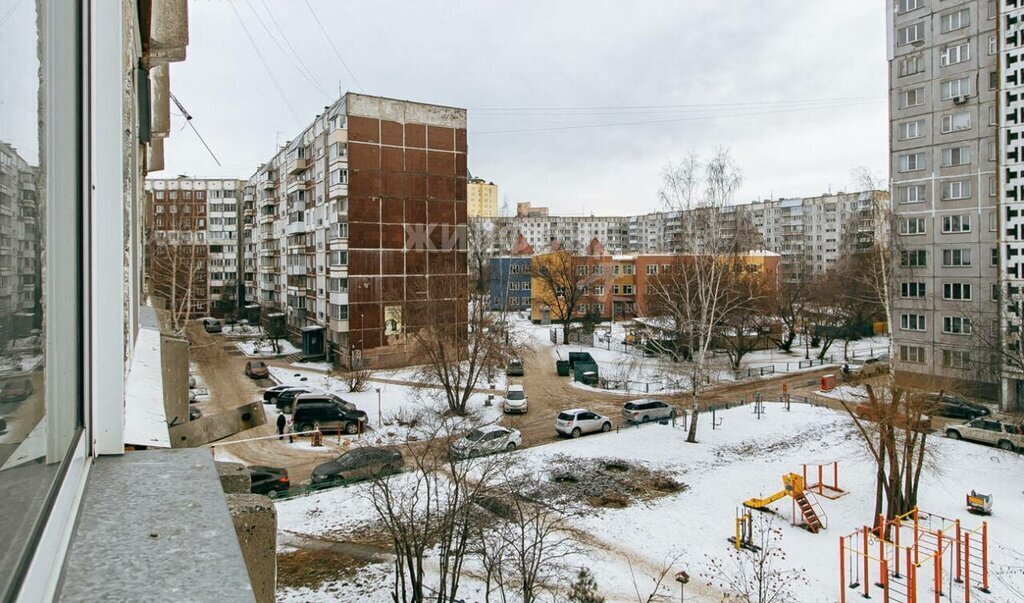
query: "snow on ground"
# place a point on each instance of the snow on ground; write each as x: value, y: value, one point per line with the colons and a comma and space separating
x: 854, y: 394
x: 264, y: 348
x: 745, y: 457
x: 398, y: 404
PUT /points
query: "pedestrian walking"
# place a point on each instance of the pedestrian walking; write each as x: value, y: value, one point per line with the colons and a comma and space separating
x: 281, y: 423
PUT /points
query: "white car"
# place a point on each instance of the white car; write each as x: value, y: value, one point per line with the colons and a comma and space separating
x: 487, y: 440
x: 578, y: 421
x: 515, y: 400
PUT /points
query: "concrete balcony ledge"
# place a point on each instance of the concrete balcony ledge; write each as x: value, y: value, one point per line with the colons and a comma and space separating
x: 154, y: 526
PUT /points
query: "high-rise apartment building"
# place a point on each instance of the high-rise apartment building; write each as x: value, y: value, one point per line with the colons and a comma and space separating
x: 945, y: 155
x: 359, y: 225
x: 481, y: 198
x: 20, y: 267
x: 192, y: 244
x: 810, y: 234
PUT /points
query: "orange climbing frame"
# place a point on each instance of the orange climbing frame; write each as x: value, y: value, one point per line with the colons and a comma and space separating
x: 932, y: 539
x: 823, y: 471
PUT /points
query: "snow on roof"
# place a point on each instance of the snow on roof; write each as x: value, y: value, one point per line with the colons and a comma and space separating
x: 762, y: 253
x: 145, y: 421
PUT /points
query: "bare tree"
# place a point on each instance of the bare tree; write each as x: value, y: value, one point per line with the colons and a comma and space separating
x: 434, y: 507
x: 698, y: 290
x: 655, y: 593
x: 177, y: 273
x: 357, y: 378
x: 481, y: 240
x: 456, y: 356
x: 561, y: 279
x: 744, y: 328
x: 526, y: 548
x: 757, y: 575
x: 784, y: 310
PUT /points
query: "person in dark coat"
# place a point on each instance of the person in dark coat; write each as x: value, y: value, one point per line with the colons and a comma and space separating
x: 281, y: 423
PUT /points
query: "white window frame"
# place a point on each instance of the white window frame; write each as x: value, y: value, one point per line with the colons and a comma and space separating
x: 953, y: 190
x: 956, y: 223
x: 956, y: 325
x: 912, y: 162
x: 955, y: 53
x: 955, y: 156
x: 956, y: 122
x: 956, y: 291
x: 904, y: 193
x: 910, y: 34
x: 909, y: 130
x: 912, y: 226
x: 913, y: 290
x: 913, y: 322
x: 955, y: 20
x: 959, y: 87
x: 956, y: 258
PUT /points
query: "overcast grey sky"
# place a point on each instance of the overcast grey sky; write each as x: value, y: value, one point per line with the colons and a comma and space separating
x: 795, y: 89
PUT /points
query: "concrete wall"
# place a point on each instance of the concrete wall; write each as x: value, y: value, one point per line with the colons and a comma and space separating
x: 174, y: 360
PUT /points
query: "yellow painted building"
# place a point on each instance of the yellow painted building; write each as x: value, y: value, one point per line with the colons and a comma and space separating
x: 481, y: 198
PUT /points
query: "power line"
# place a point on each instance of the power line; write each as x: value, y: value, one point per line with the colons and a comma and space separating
x: 299, y: 66
x: 667, y: 121
x: 10, y: 12
x: 270, y: 73
x: 682, y: 106
x: 333, y: 47
x: 660, y: 112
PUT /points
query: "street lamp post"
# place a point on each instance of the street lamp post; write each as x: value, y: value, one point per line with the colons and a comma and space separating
x: 378, y: 407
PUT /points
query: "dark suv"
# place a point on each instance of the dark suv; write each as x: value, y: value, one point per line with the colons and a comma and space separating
x: 329, y: 412
x: 286, y: 399
x: 951, y: 405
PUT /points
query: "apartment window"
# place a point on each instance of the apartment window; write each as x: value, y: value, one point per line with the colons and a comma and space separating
x: 912, y: 322
x: 912, y: 353
x: 339, y: 258
x: 953, y: 89
x: 615, y: 289
x: 526, y: 286
x: 597, y: 270
x: 913, y: 193
x: 912, y: 290
x: 627, y: 290
x: 955, y: 20
x: 956, y: 189
x: 993, y: 80
x: 913, y: 258
x: 159, y: 209
x: 598, y: 289
x: 960, y: 359
x: 912, y: 97
x: 994, y: 259
x: 909, y: 130
x: 911, y: 65
x: 513, y: 286
x: 959, y: 223
x: 956, y: 291
x: 992, y: 117
x: 992, y: 12
x: 338, y: 311
x: 992, y: 221
x: 910, y: 34
x: 956, y: 257
x: 995, y: 292
x: 992, y: 45
x: 339, y: 177
x: 957, y: 53
x: 909, y: 5
x: 159, y: 194
x: 627, y: 269
x: 911, y: 162
x: 956, y: 122
x: 912, y: 226
x: 652, y: 269
x: 337, y: 285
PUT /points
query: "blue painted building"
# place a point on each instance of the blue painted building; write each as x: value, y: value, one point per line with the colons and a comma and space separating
x: 510, y: 283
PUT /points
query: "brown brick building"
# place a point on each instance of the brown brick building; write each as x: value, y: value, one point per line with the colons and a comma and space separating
x: 377, y: 189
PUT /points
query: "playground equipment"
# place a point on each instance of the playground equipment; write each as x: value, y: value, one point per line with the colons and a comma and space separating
x: 744, y: 537
x: 907, y: 547
x: 793, y: 486
x: 822, y: 487
x: 979, y: 504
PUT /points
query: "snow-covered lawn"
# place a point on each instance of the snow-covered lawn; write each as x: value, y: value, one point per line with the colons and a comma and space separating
x: 398, y: 404
x: 745, y: 457
x: 264, y: 348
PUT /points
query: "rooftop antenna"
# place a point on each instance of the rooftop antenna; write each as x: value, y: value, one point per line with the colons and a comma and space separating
x: 277, y: 138
x: 188, y: 120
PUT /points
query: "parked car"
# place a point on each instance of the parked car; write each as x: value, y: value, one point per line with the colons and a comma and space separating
x: 358, y: 463
x: 881, y: 358
x: 16, y: 390
x: 3, y: 426
x: 257, y: 369
x: 1008, y: 436
x: 578, y: 421
x: 642, y: 411
x: 485, y: 440
x: 286, y: 399
x: 268, y: 480
x: 515, y: 400
x: 515, y: 368
x: 872, y: 412
x: 212, y: 325
x: 327, y: 411
x: 953, y: 406
x: 271, y: 393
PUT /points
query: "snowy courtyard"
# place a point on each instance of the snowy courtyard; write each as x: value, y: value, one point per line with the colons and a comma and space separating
x: 686, y: 530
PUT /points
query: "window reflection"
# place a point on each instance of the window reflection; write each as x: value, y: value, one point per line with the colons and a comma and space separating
x: 28, y: 468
